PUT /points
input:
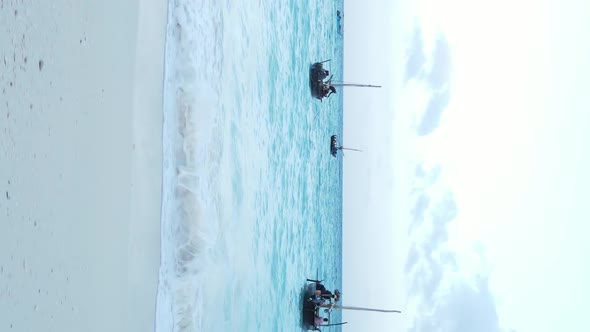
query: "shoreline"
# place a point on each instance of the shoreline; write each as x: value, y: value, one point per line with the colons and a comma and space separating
x: 145, y: 154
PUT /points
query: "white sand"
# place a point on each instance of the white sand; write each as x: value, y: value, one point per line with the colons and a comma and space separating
x: 80, y: 163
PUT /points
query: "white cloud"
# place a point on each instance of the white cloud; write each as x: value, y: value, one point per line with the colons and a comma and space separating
x: 443, y: 283
x: 448, y: 291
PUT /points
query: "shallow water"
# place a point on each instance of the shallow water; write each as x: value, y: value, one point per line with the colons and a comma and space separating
x: 252, y: 199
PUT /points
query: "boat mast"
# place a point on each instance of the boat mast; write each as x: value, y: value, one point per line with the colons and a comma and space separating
x: 343, y: 148
x: 336, y: 306
x: 358, y: 85
x: 333, y: 324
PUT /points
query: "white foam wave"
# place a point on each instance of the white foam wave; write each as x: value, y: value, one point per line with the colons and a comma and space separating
x: 191, y: 122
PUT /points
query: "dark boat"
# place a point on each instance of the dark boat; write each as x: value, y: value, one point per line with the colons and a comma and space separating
x: 339, y: 18
x: 334, y: 147
x: 313, y: 309
x: 318, y: 84
x: 321, y: 86
x: 311, y: 313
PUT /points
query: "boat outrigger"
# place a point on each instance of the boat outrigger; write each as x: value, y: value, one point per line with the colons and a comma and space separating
x: 321, y: 86
x: 334, y: 146
x: 312, y: 308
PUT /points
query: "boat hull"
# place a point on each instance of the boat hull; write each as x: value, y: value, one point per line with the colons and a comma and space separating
x: 317, y: 74
x: 334, y: 146
x: 309, y: 308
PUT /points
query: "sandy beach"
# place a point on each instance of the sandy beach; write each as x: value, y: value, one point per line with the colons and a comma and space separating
x: 80, y: 164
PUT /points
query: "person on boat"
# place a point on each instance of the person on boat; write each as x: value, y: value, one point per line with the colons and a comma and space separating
x: 322, y: 74
x: 324, y: 294
x: 320, y: 320
x: 325, y: 90
x: 331, y: 90
x: 334, y: 141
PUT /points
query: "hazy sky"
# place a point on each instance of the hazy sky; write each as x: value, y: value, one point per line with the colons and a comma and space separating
x: 468, y: 208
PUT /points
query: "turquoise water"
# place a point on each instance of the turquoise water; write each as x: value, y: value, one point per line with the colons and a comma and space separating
x: 252, y: 199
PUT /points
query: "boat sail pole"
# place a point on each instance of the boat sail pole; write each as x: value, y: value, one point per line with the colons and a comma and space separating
x: 336, y: 306
x: 343, y: 148
x: 359, y: 85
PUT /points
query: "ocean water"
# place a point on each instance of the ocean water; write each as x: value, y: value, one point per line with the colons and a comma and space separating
x: 252, y: 199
